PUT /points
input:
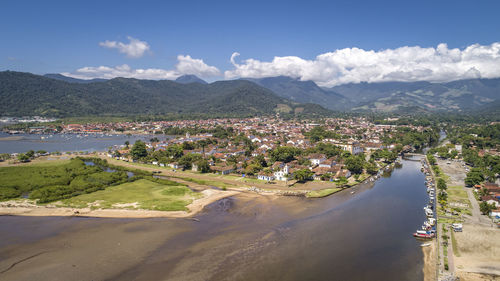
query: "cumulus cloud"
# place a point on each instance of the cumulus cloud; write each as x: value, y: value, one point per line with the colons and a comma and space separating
x: 354, y: 65
x: 185, y: 65
x: 188, y: 65
x: 134, y: 49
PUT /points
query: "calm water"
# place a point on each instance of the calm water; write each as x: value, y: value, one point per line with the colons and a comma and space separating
x: 64, y: 142
x: 366, y: 235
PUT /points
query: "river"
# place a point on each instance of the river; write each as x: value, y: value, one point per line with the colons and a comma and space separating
x: 365, y: 235
x: 65, y: 142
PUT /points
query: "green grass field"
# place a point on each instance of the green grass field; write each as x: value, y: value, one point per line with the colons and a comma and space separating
x: 140, y: 194
x: 215, y: 183
x: 456, y: 194
x: 322, y: 192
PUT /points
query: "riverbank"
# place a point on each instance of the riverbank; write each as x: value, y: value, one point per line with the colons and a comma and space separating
x: 28, y: 208
x: 244, y: 237
x: 471, y: 253
x: 211, y: 187
x: 430, y: 260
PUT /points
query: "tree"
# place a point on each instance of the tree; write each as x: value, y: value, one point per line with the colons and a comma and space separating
x: 475, y: 176
x: 260, y: 160
x: 441, y: 184
x: 355, y: 164
x: 431, y: 158
x: 371, y: 168
x: 154, y: 139
x: 187, y: 145
x: 138, y: 150
x: 203, y: 166
x: 188, y: 159
x: 175, y: 151
x: 4, y: 156
x: 23, y: 157
x: 303, y: 175
x: 127, y: 143
x: 285, y: 153
x: 30, y: 153
x: 486, y: 208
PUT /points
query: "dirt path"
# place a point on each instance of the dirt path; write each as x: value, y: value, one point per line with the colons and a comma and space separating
x: 477, y: 245
x: 477, y: 217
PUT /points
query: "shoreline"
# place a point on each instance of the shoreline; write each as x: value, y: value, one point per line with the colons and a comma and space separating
x: 16, y: 208
x: 430, y: 265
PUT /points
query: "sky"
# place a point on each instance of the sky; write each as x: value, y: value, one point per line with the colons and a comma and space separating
x: 329, y: 42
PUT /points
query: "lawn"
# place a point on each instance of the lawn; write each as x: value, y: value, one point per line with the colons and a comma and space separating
x: 219, y: 184
x: 140, y: 194
x: 456, y: 194
x: 322, y: 192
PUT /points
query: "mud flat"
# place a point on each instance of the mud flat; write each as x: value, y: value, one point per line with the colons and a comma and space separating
x: 243, y: 237
x: 25, y: 208
x: 430, y: 262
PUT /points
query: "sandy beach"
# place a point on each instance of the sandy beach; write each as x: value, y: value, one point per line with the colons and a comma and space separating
x: 430, y: 263
x: 26, y: 208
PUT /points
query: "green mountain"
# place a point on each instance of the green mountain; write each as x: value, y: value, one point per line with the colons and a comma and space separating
x: 24, y: 94
x: 61, y: 77
x: 304, y: 92
x: 186, y: 79
x: 457, y: 96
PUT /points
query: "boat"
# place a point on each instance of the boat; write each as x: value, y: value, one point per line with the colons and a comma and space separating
x: 429, y: 213
x: 423, y: 234
x: 352, y: 192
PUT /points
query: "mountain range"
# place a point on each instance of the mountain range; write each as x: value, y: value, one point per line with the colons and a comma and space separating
x: 59, y: 95
x: 23, y: 94
x: 391, y: 97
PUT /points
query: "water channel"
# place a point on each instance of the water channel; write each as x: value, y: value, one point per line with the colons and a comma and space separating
x: 364, y: 233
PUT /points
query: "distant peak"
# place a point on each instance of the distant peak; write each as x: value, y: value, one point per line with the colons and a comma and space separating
x: 189, y: 78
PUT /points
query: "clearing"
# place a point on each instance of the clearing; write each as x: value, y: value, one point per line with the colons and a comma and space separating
x: 140, y: 194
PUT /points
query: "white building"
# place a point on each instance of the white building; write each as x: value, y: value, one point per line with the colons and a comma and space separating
x: 283, y: 174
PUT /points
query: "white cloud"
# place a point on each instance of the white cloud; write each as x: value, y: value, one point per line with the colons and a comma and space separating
x: 134, y: 49
x: 354, y: 65
x: 188, y: 65
x: 185, y: 65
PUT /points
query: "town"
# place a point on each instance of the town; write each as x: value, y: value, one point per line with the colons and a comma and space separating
x: 268, y: 149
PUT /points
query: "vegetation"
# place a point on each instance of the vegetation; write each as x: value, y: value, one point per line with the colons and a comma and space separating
x: 322, y: 192
x: 303, y: 175
x: 60, y: 180
x: 486, y: 208
x: 138, y: 150
x: 140, y: 194
x: 413, y: 137
x: 285, y: 153
x: 131, y: 97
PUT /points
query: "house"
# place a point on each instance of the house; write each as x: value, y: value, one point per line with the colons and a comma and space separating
x: 320, y: 171
x: 495, y: 213
x: 222, y: 170
x: 316, y: 158
x: 327, y: 163
x: 194, y: 167
x: 491, y: 200
x: 353, y: 148
x: 283, y: 173
x: 175, y: 165
x: 491, y: 187
x: 265, y: 175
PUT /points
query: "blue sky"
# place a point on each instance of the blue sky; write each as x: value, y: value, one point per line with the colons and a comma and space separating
x: 64, y: 36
